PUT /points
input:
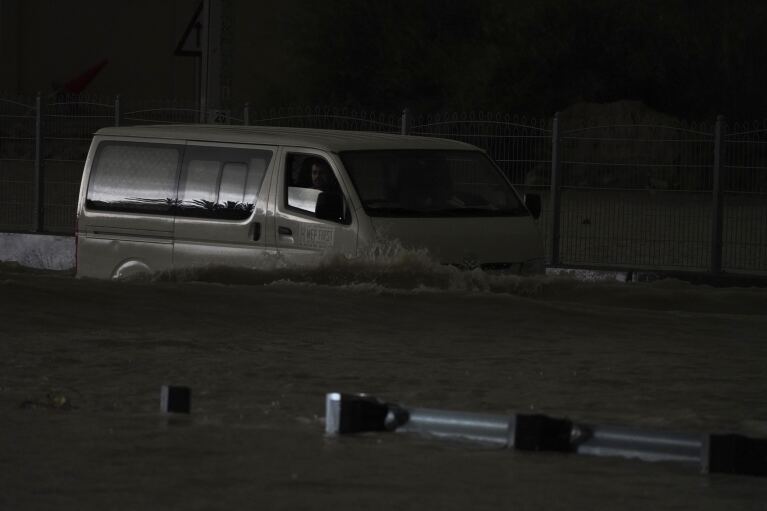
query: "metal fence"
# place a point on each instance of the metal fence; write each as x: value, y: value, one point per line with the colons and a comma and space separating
x: 638, y: 195
x: 634, y: 195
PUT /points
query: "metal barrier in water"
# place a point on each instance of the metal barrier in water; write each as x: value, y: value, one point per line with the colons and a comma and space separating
x: 712, y: 453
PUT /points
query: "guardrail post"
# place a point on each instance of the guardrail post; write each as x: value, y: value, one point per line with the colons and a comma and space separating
x: 555, y: 195
x: 246, y: 114
x: 717, y: 197
x: 404, y: 121
x: 117, y: 110
x: 38, y: 180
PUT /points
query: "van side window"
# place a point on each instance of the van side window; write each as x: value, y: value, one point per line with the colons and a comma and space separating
x: 221, y: 182
x: 134, y: 177
x: 310, y: 181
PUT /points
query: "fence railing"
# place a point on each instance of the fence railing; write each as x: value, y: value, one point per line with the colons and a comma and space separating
x: 641, y: 195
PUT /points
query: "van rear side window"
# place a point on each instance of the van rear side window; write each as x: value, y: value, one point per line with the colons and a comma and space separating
x: 221, y: 182
x: 134, y: 177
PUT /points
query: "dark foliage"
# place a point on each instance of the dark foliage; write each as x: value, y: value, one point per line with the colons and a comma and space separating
x: 693, y: 59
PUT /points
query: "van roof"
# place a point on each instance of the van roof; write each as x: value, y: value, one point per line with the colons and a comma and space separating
x: 328, y: 140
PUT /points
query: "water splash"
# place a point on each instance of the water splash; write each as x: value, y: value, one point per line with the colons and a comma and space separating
x: 383, y: 266
x: 388, y: 267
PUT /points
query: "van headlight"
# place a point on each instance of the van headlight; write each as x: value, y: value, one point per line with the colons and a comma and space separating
x: 533, y: 266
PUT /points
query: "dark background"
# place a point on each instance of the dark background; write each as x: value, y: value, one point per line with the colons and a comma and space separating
x: 690, y: 59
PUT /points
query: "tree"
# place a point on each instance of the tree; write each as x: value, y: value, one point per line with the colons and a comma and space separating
x: 691, y: 59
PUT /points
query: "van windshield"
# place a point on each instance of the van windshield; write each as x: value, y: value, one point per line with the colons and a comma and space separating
x: 430, y: 183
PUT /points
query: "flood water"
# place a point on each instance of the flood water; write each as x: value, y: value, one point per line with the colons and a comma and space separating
x: 82, y: 363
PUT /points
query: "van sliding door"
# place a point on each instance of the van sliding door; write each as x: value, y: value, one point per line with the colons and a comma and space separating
x: 221, y: 206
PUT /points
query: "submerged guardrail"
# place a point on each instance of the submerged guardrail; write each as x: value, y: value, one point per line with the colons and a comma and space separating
x: 712, y: 453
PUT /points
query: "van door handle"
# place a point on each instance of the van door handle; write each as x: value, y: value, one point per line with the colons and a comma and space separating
x: 285, y: 231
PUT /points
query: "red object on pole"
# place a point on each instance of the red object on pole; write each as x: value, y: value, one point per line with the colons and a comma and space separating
x: 79, y: 83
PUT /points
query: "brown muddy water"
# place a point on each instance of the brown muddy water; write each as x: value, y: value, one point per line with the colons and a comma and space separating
x: 82, y: 363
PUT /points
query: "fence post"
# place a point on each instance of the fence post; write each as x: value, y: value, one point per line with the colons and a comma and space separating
x: 38, y: 180
x: 404, y: 121
x: 717, y: 197
x: 117, y: 110
x: 555, y: 196
x: 246, y: 114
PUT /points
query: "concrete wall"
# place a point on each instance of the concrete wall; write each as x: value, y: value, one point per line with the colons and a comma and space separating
x: 37, y: 251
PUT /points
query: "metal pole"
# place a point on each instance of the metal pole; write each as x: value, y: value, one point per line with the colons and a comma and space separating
x: 117, y: 110
x: 246, y: 114
x: 404, y: 121
x: 717, y: 197
x: 205, y: 61
x: 38, y: 181
x: 555, y: 198
x: 712, y: 453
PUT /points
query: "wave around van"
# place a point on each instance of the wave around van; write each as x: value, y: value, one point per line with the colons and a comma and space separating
x: 390, y: 268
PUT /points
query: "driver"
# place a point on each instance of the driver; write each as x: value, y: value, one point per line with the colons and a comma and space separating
x: 321, y: 175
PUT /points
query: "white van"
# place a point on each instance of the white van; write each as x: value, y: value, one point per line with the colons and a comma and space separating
x: 156, y: 198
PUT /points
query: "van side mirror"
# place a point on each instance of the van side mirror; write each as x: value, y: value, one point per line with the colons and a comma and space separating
x: 330, y: 206
x: 533, y: 203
